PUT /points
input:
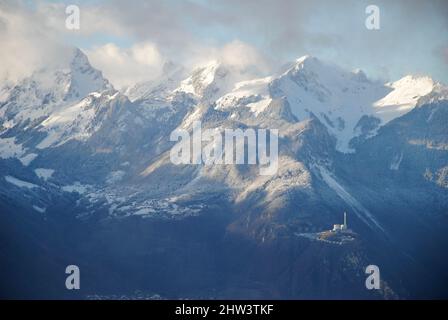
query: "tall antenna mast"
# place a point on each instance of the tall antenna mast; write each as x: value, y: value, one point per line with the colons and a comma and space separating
x: 345, y: 220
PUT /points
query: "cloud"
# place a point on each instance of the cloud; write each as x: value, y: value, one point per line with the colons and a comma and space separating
x: 159, y: 32
x: 126, y: 66
x: 444, y: 54
x: 143, y: 61
x: 283, y: 30
x: 26, y: 43
x: 94, y: 18
x: 441, y: 54
x: 193, y: 31
x: 240, y: 54
x: 235, y: 53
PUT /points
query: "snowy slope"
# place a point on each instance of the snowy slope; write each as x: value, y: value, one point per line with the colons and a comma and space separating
x: 214, y: 80
x: 251, y: 93
x: 47, y: 91
x: 404, y: 96
x: 160, y: 88
x: 74, y: 121
x: 58, y: 102
x: 123, y: 145
x: 338, y: 98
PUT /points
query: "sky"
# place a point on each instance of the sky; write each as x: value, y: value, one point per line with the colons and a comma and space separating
x: 131, y: 40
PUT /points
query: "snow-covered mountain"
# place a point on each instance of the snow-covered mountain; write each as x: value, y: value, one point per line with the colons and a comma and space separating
x: 57, y: 103
x: 47, y: 89
x: 67, y: 136
x: 54, y: 108
x: 160, y: 88
x: 338, y: 98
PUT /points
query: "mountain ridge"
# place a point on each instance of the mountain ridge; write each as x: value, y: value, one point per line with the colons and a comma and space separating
x: 105, y: 154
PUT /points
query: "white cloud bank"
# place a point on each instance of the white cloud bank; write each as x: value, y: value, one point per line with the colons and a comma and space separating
x: 26, y: 43
x: 143, y: 61
x: 34, y: 38
x: 190, y: 32
x: 126, y: 66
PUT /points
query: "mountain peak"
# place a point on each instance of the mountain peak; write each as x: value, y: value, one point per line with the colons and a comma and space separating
x: 306, y: 59
x: 83, y: 78
x: 359, y: 75
x: 415, y: 80
x: 211, y: 80
x: 54, y: 86
x: 78, y: 58
x: 406, y: 93
x: 161, y: 87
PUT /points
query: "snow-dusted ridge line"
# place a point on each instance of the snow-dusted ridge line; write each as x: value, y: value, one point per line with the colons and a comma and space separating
x: 220, y: 96
x: 360, y: 211
x: 66, y: 101
x: 313, y: 88
x: 20, y: 183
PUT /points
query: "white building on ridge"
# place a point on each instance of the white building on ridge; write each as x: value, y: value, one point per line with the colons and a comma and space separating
x: 341, y: 227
